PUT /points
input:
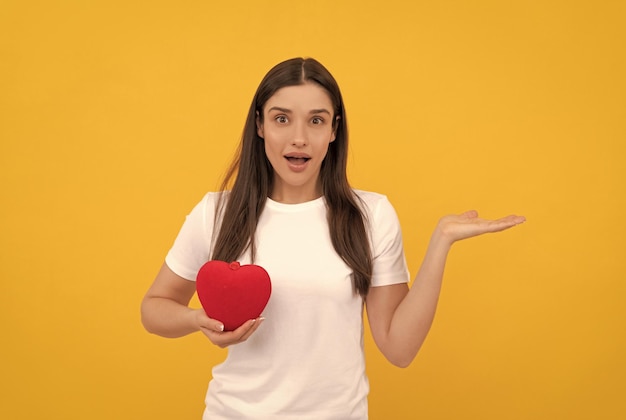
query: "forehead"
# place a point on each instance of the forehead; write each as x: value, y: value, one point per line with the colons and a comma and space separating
x: 301, y: 97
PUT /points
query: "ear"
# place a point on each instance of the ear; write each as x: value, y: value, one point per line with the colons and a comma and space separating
x: 259, y: 126
x: 333, y: 135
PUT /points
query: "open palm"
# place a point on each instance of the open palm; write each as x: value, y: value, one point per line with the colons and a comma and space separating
x: 466, y: 225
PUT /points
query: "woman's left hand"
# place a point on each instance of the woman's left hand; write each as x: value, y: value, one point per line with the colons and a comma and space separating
x: 455, y: 227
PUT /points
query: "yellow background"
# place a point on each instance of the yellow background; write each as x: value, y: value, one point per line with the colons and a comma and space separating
x: 117, y: 116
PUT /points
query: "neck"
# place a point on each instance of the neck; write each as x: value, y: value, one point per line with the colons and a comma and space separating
x: 295, y: 195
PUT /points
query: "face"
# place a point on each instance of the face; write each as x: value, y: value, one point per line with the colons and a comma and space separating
x: 297, y: 127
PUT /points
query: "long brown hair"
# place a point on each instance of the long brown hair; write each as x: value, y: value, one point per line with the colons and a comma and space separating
x: 254, y: 177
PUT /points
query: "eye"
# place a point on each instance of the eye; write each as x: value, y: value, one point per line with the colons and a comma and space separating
x: 281, y: 119
x: 317, y: 120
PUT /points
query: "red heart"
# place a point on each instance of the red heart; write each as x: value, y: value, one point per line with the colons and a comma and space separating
x: 233, y: 293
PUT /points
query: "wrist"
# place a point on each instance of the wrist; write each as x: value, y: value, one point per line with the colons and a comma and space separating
x: 441, y: 238
x: 192, y: 319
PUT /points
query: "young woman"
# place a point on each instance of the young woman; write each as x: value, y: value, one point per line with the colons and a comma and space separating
x: 330, y: 251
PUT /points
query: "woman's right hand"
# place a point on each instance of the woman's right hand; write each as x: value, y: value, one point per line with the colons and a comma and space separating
x: 165, y: 311
x: 214, y: 330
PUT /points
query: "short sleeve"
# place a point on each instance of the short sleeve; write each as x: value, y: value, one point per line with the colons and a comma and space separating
x: 192, y: 246
x: 389, y: 262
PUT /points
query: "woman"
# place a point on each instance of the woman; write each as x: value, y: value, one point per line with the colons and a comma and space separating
x: 287, y: 206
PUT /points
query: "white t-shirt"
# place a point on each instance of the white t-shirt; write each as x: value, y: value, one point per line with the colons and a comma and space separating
x: 306, y: 360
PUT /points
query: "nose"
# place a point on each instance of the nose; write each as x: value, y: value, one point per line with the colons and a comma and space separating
x: 299, y: 135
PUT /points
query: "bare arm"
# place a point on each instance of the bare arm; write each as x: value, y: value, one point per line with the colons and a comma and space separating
x: 165, y: 312
x: 401, y: 318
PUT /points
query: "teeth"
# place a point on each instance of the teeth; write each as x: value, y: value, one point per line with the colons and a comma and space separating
x: 297, y: 159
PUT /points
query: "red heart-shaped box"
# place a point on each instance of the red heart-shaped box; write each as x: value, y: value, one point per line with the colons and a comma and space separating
x: 233, y: 293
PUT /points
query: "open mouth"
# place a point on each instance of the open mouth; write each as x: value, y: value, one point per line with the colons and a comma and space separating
x: 297, y: 160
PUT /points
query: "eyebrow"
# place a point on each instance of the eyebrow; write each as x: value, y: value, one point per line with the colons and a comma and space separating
x: 287, y: 111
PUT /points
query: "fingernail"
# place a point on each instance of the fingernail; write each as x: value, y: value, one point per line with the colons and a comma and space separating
x: 221, y: 328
